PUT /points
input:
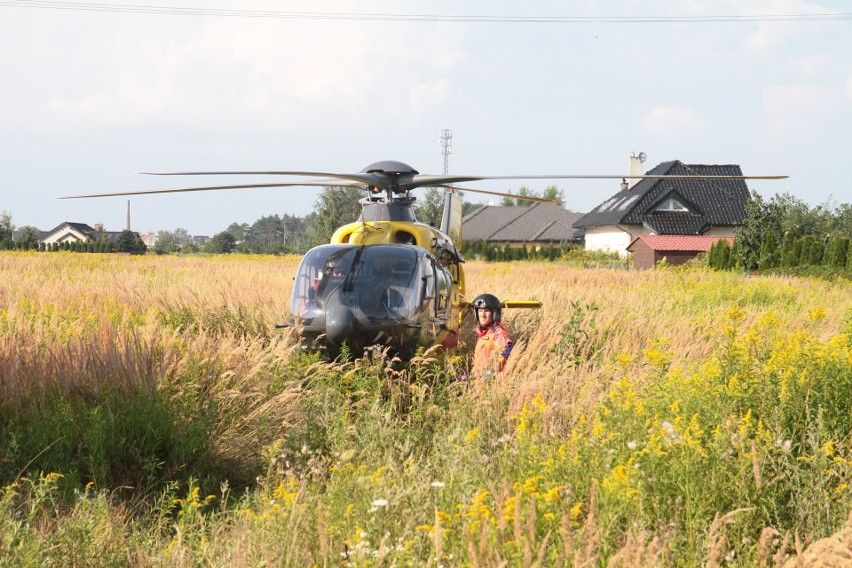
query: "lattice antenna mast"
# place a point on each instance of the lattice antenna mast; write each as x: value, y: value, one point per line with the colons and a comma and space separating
x: 446, y: 147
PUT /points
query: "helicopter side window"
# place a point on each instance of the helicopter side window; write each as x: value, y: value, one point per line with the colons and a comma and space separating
x: 443, y: 282
x: 427, y: 290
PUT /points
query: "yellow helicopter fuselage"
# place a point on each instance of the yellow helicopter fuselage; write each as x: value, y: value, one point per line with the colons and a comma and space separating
x: 438, y: 243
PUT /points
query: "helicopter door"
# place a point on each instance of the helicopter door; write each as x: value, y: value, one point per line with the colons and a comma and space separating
x: 427, y: 291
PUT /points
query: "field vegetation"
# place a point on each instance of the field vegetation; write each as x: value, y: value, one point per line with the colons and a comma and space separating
x: 151, y: 414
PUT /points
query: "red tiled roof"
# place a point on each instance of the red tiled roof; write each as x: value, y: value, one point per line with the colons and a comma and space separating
x: 678, y: 242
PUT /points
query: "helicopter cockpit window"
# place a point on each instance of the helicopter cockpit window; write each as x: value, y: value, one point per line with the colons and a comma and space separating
x: 321, y: 273
x: 386, y: 282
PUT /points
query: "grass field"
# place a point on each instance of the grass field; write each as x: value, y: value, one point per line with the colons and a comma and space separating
x: 151, y: 414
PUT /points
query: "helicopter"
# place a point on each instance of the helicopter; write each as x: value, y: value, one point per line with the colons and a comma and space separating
x: 387, y: 279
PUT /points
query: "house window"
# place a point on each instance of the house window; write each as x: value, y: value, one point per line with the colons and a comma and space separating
x: 672, y: 205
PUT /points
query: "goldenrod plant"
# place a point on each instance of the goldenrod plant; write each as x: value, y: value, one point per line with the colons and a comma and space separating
x: 151, y: 414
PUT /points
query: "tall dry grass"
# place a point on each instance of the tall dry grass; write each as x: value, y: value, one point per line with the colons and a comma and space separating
x: 645, y: 418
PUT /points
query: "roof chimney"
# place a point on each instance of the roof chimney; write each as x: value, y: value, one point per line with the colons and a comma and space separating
x: 634, y: 168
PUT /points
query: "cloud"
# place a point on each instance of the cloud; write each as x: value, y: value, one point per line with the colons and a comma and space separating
x: 222, y: 73
x: 775, y: 34
x: 801, y: 107
x: 429, y: 94
x: 673, y: 121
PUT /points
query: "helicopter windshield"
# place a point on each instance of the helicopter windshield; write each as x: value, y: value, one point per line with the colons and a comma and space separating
x: 386, y: 284
x: 321, y: 273
x: 381, y: 281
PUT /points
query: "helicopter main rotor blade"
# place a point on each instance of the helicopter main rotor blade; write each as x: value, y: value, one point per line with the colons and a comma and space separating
x: 500, y: 194
x: 327, y: 182
x: 366, y: 178
x: 421, y: 180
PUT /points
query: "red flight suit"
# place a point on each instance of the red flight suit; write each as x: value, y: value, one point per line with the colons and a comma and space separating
x: 493, y: 347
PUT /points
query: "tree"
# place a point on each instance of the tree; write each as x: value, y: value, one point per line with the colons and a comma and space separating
x: 769, y: 253
x: 239, y: 230
x: 129, y: 241
x: 166, y: 243
x: 182, y: 237
x: 6, y: 226
x: 761, y: 218
x: 335, y: 206
x: 468, y: 208
x: 266, y: 235
x: 29, y: 236
x: 524, y: 191
x: 550, y: 192
x: 295, y: 232
x: 430, y: 208
x: 553, y: 192
x: 835, y: 254
x: 222, y: 243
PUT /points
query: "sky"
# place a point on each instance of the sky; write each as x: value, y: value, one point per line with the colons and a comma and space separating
x: 89, y: 98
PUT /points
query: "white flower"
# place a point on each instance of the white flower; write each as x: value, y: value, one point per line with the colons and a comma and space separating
x: 631, y: 445
x: 380, y: 503
x: 438, y: 484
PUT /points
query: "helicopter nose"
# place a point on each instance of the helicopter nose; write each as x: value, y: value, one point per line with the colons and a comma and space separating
x: 339, y: 323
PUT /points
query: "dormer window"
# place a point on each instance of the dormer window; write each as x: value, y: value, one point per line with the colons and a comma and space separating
x: 671, y: 205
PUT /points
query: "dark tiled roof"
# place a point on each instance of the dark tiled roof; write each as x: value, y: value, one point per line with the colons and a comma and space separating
x: 536, y: 223
x: 716, y: 202
x: 85, y: 229
x: 81, y: 227
x: 675, y: 223
x: 487, y: 220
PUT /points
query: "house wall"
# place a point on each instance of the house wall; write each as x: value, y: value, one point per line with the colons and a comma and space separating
x: 63, y: 235
x: 611, y: 238
x: 643, y: 256
x: 675, y: 257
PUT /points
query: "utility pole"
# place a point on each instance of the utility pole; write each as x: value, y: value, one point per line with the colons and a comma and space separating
x: 446, y: 147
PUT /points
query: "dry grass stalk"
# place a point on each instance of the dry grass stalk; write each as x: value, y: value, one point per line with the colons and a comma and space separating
x: 716, y: 539
x: 500, y: 498
x: 755, y: 465
x: 764, y: 544
x: 781, y: 553
x: 590, y: 539
x: 472, y: 554
x: 518, y: 517
x: 566, y: 534
x: 483, y: 538
x: 529, y: 536
x: 542, y: 550
x: 321, y: 531
x: 436, y: 538
x: 800, y: 549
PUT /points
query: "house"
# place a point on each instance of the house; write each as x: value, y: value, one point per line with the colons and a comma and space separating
x: 72, y: 232
x: 648, y: 250
x: 697, y: 207
x: 150, y: 239
x: 539, y: 225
